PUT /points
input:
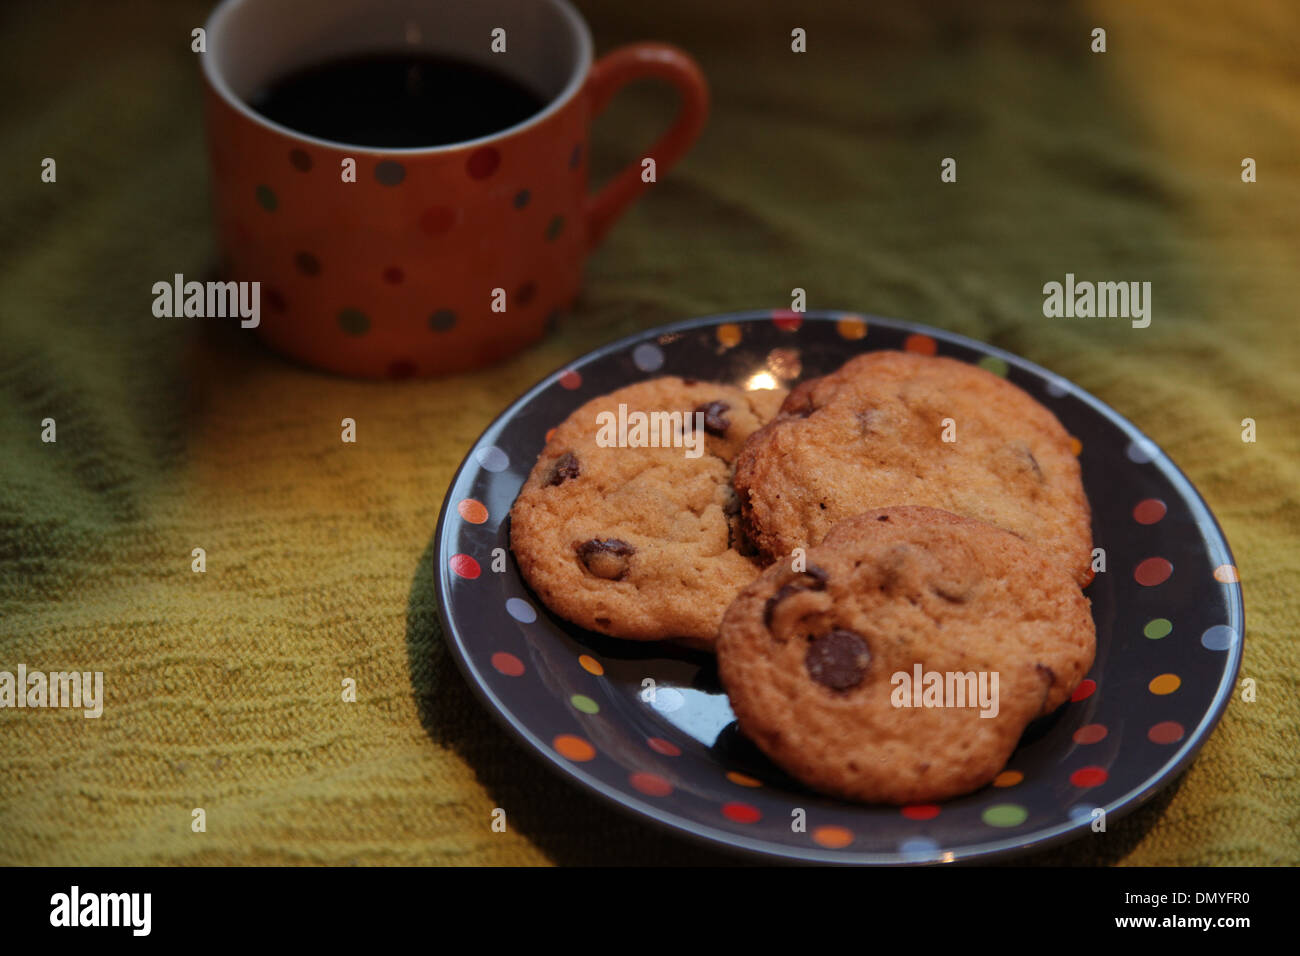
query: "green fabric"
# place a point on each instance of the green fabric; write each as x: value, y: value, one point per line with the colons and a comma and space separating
x: 819, y: 171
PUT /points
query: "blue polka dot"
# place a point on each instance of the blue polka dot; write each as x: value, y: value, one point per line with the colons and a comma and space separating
x: 492, y: 458
x: 919, y: 848
x: 647, y: 357
x: 521, y: 611
x: 1081, y: 813
x: 1057, y: 388
x: 1140, y: 451
x: 1219, y: 638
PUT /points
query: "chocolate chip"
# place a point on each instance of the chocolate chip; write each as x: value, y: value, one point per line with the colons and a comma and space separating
x: 715, y: 418
x: 882, y: 518
x: 802, y: 583
x: 565, y: 467
x: 838, y: 660
x: 606, y: 559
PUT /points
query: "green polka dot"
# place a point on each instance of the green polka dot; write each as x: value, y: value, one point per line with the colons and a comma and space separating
x: 354, y: 322
x: 991, y: 363
x: 266, y: 198
x: 584, y: 704
x: 555, y: 228
x: 1158, y: 628
x: 1005, y: 815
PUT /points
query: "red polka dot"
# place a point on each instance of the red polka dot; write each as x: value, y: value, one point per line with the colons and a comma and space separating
x: 1084, y: 690
x: 1168, y: 732
x: 483, y: 162
x: 1153, y: 571
x: 920, y: 811
x: 787, y: 319
x: 651, y: 784
x: 1090, y: 734
x: 401, y: 369
x: 667, y: 748
x: 1089, y: 777
x: 437, y: 219
x: 394, y: 275
x: 570, y: 380
x: 741, y: 812
x: 507, y: 664
x: 275, y: 300
x: 1149, y: 511
x: 472, y: 511
x: 465, y: 566
x: 921, y: 344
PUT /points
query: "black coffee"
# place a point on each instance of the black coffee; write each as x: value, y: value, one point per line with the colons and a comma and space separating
x: 397, y: 100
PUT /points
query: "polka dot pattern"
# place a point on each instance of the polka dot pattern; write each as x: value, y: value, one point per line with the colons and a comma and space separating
x: 1166, y: 732
x: 741, y: 812
x: 521, y: 610
x: 299, y: 160
x: 1152, y: 571
x: 851, y: 328
x: 651, y: 784
x: 1091, y: 734
x: 1165, y: 684
x: 832, y: 837
x: 1089, y: 777
x: 389, y: 173
x: 267, y: 199
x: 1157, y: 628
x: 483, y: 162
x: 472, y: 511
x: 508, y: 664
x: 1005, y: 815
x: 921, y: 344
x: 354, y: 321
x: 1220, y: 637
x: 647, y: 357
x: 574, y: 748
x: 1095, y: 727
x: 462, y: 565
x: 444, y: 320
x: 1149, y: 511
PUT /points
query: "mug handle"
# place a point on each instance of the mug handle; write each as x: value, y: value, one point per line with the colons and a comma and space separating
x: 611, y: 73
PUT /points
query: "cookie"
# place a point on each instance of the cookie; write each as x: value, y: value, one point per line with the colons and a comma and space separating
x: 857, y: 672
x: 872, y: 435
x: 639, y: 541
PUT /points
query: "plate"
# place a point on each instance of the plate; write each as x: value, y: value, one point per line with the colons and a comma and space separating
x: 647, y: 726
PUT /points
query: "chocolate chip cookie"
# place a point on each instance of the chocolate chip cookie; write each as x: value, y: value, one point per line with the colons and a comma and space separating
x: 894, y: 428
x: 628, y: 524
x: 903, y: 660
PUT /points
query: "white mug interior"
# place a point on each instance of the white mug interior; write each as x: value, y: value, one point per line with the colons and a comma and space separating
x: 252, y: 42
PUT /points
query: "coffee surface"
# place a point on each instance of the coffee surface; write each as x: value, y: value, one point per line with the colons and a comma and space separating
x: 396, y: 100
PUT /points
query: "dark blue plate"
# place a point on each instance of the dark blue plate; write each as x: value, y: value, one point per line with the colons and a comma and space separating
x: 1167, y: 606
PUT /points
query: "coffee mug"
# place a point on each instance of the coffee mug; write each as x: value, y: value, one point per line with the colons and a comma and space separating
x: 392, y: 263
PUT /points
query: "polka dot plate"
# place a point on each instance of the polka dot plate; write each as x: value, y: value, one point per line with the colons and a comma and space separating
x: 1167, y: 606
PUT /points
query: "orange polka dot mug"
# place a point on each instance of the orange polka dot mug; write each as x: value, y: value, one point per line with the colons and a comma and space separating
x: 396, y: 262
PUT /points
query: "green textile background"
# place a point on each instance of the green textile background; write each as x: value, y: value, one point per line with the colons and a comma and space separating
x: 817, y: 170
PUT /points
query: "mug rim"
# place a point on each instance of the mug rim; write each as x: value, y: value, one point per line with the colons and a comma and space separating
x: 582, y: 67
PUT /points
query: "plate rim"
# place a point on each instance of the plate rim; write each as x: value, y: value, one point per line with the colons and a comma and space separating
x: 717, y: 838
